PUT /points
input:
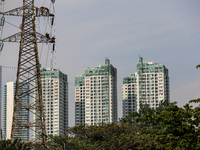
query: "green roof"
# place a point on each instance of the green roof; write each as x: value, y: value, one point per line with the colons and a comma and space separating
x: 130, y: 79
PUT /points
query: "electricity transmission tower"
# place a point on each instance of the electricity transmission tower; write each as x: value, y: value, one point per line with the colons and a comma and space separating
x: 29, y: 72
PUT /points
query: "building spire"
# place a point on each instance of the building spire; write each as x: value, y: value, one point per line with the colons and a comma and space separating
x: 107, y: 61
x: 140, y: 59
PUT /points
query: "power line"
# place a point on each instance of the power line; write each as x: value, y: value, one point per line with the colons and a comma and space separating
x: 12, y: 24
x: 9, y: 67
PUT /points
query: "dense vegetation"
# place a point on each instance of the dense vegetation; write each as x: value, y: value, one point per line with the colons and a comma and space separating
x: 167, y: 127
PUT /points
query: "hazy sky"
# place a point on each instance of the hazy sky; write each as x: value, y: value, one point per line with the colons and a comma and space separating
x: 88, y: 31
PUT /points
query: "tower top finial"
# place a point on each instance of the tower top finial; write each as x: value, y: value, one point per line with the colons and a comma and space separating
x: 107, y: 61
x: 140, y: 59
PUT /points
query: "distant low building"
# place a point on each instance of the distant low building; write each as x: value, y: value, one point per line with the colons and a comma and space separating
x: 150, y: 85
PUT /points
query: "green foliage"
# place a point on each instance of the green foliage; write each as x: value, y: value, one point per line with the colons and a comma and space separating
x: 166, y: 127
x: 106, y: 136
x: 198, y: 66
x: 195, y: 100
x: 170, y: 126
x: 16, y: 145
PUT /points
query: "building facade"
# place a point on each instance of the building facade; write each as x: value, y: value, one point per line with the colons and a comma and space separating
x: 150, y: 85
x: 9, y: 91
x: 96, y: 95
x: 55, y: 100
x: 0, y: 95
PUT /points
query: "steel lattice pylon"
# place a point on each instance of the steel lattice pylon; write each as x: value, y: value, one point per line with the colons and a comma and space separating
x: 29, y: 73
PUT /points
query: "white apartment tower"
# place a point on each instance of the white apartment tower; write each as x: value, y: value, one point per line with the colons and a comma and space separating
x: 96, y: 95
x: 55, y: 100
x: 9, y: 92
x: 150, y: 85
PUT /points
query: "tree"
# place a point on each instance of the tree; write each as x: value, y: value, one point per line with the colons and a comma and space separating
x: 170, y: 126
x: 166, y: 127
x: 17, y: 144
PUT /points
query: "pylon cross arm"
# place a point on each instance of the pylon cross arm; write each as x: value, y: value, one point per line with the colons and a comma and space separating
x: 40, y: 38
x: 42, y: 11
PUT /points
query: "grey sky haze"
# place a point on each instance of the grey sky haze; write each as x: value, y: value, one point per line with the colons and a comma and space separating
x: 88, y: 31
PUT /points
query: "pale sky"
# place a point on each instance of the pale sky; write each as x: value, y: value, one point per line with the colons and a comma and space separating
x: 87, y: 31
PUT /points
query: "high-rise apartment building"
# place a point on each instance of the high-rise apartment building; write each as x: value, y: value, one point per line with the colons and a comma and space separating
x: 55, y: 100
x: 96, y: 95
x: 150, y: 85
x: 9, y: 91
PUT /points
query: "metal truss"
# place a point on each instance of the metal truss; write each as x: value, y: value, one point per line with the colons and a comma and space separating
x: 42, y: 11
x: 40, y: 38
x: 28, y: 72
